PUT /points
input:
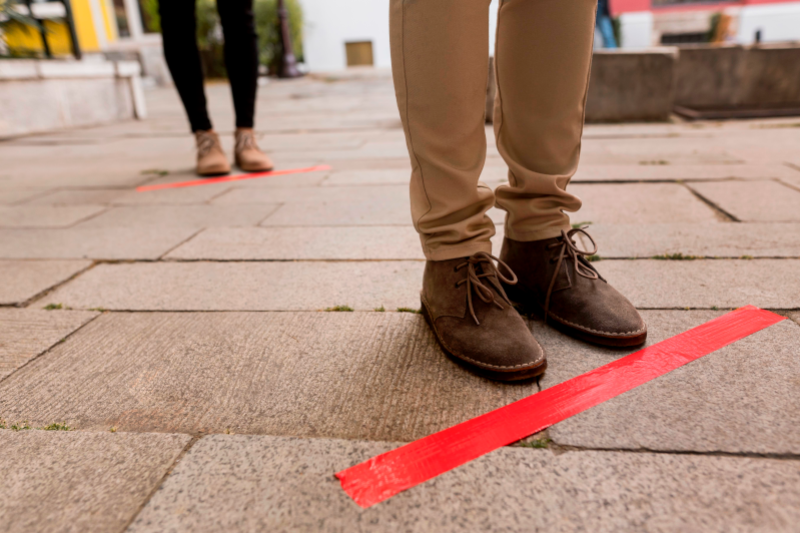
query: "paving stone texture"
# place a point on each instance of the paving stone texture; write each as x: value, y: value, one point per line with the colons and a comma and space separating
x: 24, y: 279
x: 216, y: 324
x: 57, y: 481
x: 247, y: 483
x: 25, y: 333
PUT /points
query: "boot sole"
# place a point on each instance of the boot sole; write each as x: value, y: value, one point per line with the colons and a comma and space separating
x: 495, y: 375
x: 592, y: 338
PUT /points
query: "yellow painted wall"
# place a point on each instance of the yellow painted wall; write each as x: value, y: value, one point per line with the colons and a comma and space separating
x: 58, y: 37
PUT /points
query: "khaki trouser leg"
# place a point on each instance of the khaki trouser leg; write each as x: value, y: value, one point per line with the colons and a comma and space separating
x: 543, y: 56
x: 440, y: 62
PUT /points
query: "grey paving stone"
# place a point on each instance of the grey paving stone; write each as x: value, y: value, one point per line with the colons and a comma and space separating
x: 285, y: 286
x: 306, y: 243
x: 380, y: 211
x: 334, y: 195
x: 14, y: 196
x: 181, y: 216
x: 759, y: 201
x: 25, y: 216
x: 186, y: 195
x: 712, y: 239
x: 642, y: 203
x: 375, y: 376
x: 768, y: 283
x: 93, y: 243
x: 25, y: 333
x: 22, y: 280
x: 365, y: 242
x: 75, y: 481
x: 660, y: 172
x: 795, y: 317
x: 740, y: 399
x: 247, y: 483
x: 490, y: 174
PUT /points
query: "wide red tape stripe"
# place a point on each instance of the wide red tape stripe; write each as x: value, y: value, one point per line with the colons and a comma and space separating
x: 238, y: 177
x: 385, y: 475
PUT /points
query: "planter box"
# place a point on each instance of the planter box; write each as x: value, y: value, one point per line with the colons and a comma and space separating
x: 739, y: 77
x: 48, y: 95
x: 632, y: 86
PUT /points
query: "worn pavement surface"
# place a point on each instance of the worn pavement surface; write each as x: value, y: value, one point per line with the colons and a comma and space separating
x: 182, y: 335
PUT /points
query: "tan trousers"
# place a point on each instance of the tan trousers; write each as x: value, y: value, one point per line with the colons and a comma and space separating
x: 440, y: 57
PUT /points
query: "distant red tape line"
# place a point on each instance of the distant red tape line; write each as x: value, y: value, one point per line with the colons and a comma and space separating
x: 385, y: 475
x: 238, y: 177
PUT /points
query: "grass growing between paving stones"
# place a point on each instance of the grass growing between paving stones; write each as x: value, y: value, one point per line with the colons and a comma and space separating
x: 536, y: 443
x: 155, y: 172
x: 675, y: 257
x: 656, y: 162
x: 55, y: 426
x: 21, y: 426
x: 52, y: 307
x: 339, y: 309
x: 579, y: 225
x: 380, y: 309
x: 408, y: 310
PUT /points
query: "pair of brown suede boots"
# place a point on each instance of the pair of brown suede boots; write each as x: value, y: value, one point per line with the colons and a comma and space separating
x: 211, y: 158
x: 468, y: 304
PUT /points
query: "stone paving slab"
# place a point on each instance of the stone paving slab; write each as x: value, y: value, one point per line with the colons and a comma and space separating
x: 740, y: 399
x: 245, y: 483
x: 113, y: 243
x: 380, y: 211
x: 756, y: 201
x: 24, y: 279
x: 24, y: 216
x: 490, y: 174
x: 307, y: 243
x: 82, y: 482
x: 26, y: 333
x: 375, y: 376
x: 285, y: 286
x: 642, y: 203
x: 181, y: 216
x: 768, y: 283
x: 14, y: 196
x: 703, y: 240
x: 654, y: 171
x: 333, y: 195
x: 187, y: 195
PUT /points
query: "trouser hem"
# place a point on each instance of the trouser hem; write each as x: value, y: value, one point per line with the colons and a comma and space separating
x: 536, y: 235
x: 445, y: 253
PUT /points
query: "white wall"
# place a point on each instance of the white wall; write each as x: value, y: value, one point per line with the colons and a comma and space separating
x: 777, y: 22
x: 331, y: 23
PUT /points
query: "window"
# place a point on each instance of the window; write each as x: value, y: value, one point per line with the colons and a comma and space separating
x: 359, y: 53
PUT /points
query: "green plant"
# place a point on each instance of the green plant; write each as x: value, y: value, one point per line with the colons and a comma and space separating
x: 380, y: 309
x: 55, y: 426
x: 408, y: 310
x: 339, y: 309
x: 269, y: 36
x: 675, y: 257
x: 11, y: 19
x: 52, y: 307
x: 20, y: 426
x: 536, y: 443
x: 593, y: 258
x: 2, y: 424
x: 579, y: 225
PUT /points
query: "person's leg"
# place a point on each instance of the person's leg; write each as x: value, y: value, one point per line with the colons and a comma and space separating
x: 543, y: 60
x: 178, y: 30
x: 440, y: 62
x: 241, y: 62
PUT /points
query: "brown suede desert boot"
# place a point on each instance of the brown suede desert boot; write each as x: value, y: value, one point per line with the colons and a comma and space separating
x: 249, y: 156
x: 558, y: 283
x: 211, y: 160
x: 474, y: 321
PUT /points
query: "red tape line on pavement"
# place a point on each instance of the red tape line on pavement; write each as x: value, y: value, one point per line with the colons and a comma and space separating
x: 238, y: 177
x: 385, y: 475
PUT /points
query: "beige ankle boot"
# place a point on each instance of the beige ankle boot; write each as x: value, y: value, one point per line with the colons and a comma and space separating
x: 211, y: 160
x: 248, y: 155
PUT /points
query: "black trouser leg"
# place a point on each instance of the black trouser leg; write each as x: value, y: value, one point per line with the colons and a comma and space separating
x: 241, y: 56
x: 179, y: 32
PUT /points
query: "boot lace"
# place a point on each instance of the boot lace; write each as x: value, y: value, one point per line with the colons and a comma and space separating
x: 205, y: 143
x: 245, y: 141
x: 570, y: 251
x: 475, y: 281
